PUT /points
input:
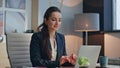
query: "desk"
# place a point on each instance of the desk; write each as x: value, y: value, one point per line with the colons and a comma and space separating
x: 97, y: 66
x: 109, y: 66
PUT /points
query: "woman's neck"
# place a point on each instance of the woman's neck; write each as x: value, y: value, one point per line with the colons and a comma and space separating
x: 52, y: 34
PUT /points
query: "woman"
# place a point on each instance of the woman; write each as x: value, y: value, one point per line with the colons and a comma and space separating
x: 47, y: 47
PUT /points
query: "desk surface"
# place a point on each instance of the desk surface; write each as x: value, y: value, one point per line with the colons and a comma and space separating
x: 97, y: 66
x: 109, y: 66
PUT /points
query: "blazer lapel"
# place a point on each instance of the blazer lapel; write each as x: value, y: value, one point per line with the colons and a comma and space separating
x: 58, y: 46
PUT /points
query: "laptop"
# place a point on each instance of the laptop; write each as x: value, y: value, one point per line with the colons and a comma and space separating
x: 91, y: 52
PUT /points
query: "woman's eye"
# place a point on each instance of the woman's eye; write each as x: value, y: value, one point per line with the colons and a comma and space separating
x: 53, y: 20
x: 60, y: 20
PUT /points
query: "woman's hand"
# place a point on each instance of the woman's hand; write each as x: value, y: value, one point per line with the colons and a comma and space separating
x: 73, y: 58
x: 64, y: 59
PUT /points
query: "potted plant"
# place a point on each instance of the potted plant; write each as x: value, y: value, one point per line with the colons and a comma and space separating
x: 83, y: 62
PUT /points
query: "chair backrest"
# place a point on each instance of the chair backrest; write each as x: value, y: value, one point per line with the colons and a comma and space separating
x: 18, y: 49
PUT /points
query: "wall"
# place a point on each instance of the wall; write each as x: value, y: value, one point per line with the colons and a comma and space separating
x: 34, y: 20
x: 112, y: 45
x: 108, y: 17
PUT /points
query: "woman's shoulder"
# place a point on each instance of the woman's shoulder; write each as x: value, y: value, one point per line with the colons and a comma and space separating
x: 36, y: 34
x: 60, y: 35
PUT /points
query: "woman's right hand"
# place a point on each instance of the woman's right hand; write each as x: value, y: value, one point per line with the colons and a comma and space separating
x: 64, y: 59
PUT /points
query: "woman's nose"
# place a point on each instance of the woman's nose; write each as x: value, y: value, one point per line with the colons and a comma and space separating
x: 57, y: 22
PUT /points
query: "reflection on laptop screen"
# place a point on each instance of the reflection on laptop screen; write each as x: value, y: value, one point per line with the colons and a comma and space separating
x: 91, y: 52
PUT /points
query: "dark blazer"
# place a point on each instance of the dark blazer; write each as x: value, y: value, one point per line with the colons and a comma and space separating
x: 37, y: 57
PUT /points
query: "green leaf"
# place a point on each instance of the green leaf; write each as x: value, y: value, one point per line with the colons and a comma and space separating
x: 83, y: 61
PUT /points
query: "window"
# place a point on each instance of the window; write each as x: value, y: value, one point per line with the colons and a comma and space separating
x: 116, y: 14
x: 15, y: 16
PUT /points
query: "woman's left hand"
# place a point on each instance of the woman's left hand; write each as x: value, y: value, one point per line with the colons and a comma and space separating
x: 73, y: 58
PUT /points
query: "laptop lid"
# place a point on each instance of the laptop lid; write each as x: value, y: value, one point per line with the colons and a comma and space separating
x: 91, y: 52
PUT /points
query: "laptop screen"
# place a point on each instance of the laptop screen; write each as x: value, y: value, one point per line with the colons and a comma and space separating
x: 91, y: 52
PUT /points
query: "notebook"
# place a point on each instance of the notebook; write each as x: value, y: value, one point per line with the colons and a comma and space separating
x: 91, y: 52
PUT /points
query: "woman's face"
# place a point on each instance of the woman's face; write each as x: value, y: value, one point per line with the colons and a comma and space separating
x: 54, y: 21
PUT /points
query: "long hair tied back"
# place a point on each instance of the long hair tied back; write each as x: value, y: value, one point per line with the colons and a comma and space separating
x: 45, y: 34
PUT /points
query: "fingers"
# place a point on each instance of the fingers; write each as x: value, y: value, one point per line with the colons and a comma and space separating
x: 73, y: 56
x: 71, y: 59
x: 64, y: 59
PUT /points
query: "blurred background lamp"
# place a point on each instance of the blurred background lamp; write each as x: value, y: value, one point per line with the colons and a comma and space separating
x: 85, y: 22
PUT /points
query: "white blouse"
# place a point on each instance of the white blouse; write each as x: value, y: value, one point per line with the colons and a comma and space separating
x: 54, y: 49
